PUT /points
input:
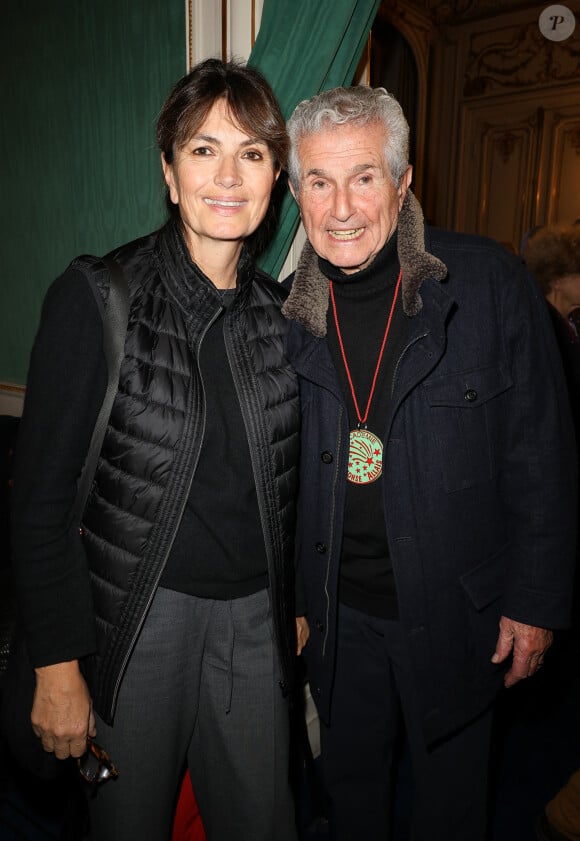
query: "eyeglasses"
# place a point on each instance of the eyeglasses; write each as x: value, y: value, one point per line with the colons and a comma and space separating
x: 95, y: 764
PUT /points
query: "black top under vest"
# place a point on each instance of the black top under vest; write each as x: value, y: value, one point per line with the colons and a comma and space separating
x: 363, y: 303
x: 219, y: 549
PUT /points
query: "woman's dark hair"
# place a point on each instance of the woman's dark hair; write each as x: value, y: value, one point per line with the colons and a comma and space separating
x: 251, y: 102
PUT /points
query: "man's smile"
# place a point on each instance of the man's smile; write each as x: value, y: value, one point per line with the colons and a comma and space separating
x: 352, y: 233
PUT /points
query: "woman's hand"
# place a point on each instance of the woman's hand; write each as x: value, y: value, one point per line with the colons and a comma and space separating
x: 302, y: 633
x: 62, y: 713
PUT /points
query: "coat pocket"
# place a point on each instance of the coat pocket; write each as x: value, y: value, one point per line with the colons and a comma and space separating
x: 465, y: 410
x: 483, y: 587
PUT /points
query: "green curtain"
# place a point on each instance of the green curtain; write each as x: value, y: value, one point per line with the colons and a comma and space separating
x: 303, y: 47
x: 79, y: 172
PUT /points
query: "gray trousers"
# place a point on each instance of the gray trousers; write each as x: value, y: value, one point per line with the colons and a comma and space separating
x: 201, y: 689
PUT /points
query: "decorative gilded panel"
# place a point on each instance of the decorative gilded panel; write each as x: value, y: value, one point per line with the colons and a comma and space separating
x: 505, y: 183
x: 564, y: 201
x: 518, y: 57
x: 498, y: 179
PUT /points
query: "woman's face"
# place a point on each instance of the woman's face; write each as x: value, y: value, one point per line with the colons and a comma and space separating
x: 222, y: 180
x: 568, y: 293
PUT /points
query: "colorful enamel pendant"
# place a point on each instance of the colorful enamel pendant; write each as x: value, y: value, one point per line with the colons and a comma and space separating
x: 365, y: 457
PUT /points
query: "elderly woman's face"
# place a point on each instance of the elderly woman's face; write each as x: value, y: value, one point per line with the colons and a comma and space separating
x: 567, y: 293
x: 222, y: 180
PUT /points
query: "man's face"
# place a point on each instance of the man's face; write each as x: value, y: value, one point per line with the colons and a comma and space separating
x: 347, y: 199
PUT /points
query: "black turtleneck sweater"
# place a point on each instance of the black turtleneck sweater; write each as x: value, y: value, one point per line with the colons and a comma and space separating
x: 363, y: 303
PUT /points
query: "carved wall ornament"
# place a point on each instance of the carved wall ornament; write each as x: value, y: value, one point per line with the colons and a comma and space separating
x: 452, y: 12
x: 519, y: 57
x: 460, y: 11
x: 449, y: 13
x: 505, y: 145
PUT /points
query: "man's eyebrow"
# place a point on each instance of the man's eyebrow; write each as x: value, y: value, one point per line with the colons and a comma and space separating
x: 315, y: 172
x: 363, y: 168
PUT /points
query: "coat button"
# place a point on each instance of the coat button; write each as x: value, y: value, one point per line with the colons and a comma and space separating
x: 470, y: 395
x: 320, y: 548
x: 319, y: 626
x: 326, y: 457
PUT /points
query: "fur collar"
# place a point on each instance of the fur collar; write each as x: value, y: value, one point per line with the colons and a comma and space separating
x: 307, y: 302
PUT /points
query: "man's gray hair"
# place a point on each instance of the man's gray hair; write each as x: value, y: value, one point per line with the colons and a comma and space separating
x: 358, y: 106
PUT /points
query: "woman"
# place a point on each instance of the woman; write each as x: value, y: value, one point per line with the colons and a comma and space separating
x: 166, y: 628
x: 552, y: 254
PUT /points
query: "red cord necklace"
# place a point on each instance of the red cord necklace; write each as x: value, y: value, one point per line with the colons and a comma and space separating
x: 365, y: 457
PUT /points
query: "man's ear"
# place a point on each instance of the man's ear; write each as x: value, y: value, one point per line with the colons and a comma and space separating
x: 293, y: 191
x: 405, y: 184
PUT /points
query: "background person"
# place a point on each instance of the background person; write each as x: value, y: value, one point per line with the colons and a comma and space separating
x: 167, y: 629
x: 552, y: 254
x: 436, y: 489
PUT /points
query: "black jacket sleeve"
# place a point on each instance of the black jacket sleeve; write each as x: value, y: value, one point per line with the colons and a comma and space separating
x: 65, y: 388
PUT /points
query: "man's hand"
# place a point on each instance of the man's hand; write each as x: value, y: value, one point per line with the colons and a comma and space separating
x: 528, y: 644
x: 302, y: 633
x: 62, y: 713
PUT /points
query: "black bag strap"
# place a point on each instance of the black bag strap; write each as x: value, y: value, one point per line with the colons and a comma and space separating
x: 115, y: 319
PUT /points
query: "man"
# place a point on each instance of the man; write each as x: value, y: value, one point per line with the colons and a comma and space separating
x: 437, y: 489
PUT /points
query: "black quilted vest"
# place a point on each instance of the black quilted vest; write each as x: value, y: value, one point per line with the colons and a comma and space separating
x: 154, y: 437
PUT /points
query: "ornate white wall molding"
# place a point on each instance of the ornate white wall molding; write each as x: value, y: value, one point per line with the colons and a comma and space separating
x: 224, y: 28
